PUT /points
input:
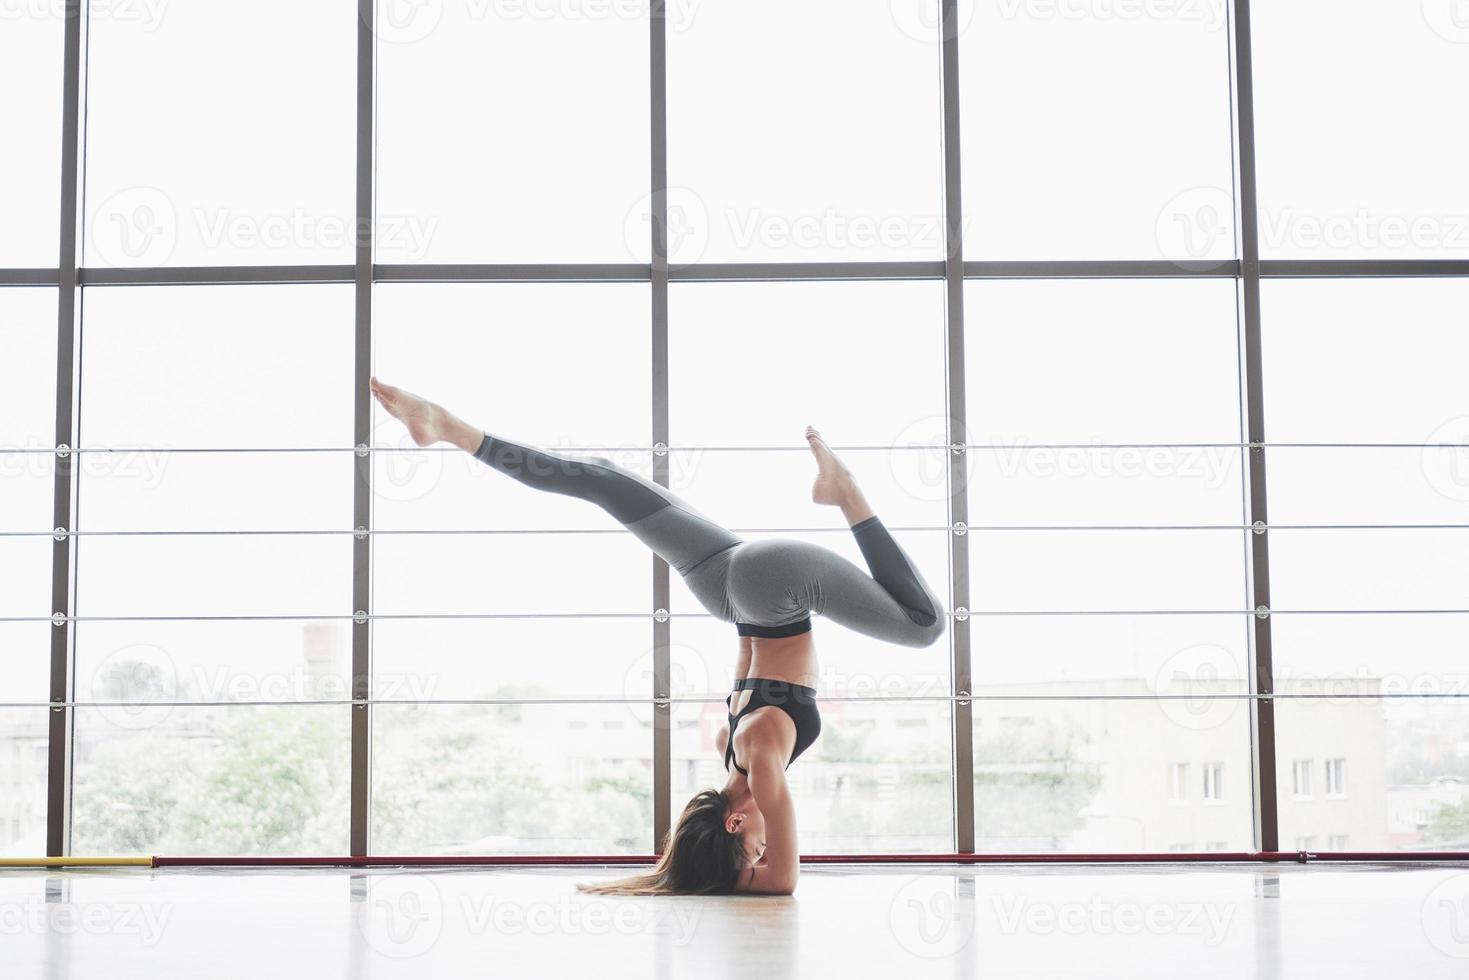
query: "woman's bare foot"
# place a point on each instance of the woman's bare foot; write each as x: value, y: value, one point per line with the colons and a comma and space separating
x: 427, y: 423
x: 835, y: 484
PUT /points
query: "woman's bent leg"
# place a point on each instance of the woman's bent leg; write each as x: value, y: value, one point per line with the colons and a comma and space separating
x: 777, y: 580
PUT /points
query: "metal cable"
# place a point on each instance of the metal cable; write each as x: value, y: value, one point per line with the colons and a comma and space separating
x: 987, y: 447
x: 959, y: 615
x: 971, y: 528
x: 718, y: 699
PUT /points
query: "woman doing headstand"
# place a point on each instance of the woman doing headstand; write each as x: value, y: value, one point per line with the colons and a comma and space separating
x: 741, y: 838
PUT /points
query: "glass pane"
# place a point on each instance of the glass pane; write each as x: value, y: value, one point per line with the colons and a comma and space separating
x: 239, y: 166
x: 1371, y: 171
x: 1107, y: 775
x: 1080, y: 485
x: 512, y: 779
x: 512, y: 573
x: 1107, y: 570
x: 556, y: 364
x: 146, y: 665
x: 1369, y: 569
x: 25, y: 652
x: 25, y: 576
x: 234, y: 575
x: 27, y: 407
x: 487, y: 125
x: 1095, y: 361
x: 1096, y: 654
x: 1357, y: 773
x: 907, y: 485
x: 215, y: 780
x: 23, y: 741
x: 1122, y: 165
x: 427, y: 659
x: 27, y: 483
x: 156, y: 490
x: 30, y: 168
x: 1328, y: 342
x: 1417, y: 659
x: 877, y: 781
x: 218, y: 367
x: 831, y: 150
x: 751, y: 364
x: 1360, y: 485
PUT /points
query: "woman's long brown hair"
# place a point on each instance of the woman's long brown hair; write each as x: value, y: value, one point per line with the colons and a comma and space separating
x: 699, y: 856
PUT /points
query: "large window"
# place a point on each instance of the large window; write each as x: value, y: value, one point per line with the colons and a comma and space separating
x: 243, y: 613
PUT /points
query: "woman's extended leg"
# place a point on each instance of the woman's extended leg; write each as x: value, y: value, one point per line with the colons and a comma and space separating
x: 674, y: 530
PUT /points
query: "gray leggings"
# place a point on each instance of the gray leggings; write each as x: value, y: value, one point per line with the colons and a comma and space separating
x: 767, y: 587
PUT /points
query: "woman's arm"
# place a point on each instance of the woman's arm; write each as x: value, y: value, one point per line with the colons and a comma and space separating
x: 777, y: 873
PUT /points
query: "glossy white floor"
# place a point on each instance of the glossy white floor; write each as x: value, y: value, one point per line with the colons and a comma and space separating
x: 1011, y: 921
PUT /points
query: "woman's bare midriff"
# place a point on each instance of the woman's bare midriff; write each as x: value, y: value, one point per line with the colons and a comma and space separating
x: 778, y: 658
x: 784, y: 658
